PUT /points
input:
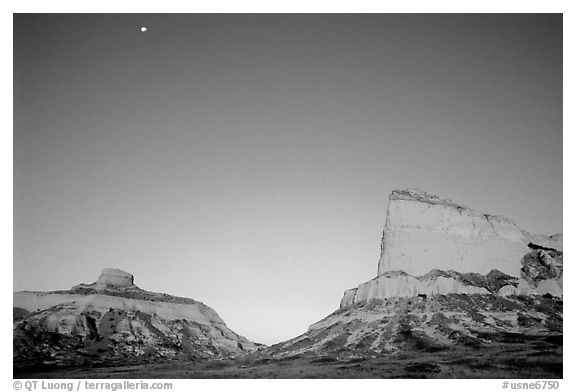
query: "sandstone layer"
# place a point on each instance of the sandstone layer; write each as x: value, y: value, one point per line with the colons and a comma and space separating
x: 424, y: 232
x: 541, y: 273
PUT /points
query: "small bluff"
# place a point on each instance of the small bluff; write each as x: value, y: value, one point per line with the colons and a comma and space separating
x: 114, y: 278
x: 113, y: 321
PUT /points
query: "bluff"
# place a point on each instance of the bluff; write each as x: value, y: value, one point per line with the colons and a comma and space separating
x: 114, y: 321
x: 449, y: 278
x: 424, y: 233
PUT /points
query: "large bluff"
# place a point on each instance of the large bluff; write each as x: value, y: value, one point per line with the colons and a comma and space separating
x: 450, y: 279
x: 432, y: 246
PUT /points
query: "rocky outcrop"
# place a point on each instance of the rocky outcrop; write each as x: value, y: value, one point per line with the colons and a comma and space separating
x: 423, y: 232
x: 448, y: 277
x: 536, y: 241
x: 394, y: 284
x: 114, y: 321
x: 542, y: 265
x: 114, y: 279
x: 400, y: 284
x: 429, y: 324
x: 542, y: 273
x: 435, y: 246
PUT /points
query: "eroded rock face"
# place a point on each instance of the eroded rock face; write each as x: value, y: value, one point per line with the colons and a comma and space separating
x: 541, y: 274
x: 427, y: 325
x: 541, y: 265
x: 114, y: 321
x: 112, y: 278
x: 400, y: 284
x: 423, y: 232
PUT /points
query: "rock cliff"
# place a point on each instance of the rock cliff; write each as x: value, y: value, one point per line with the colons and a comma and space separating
x: 112, y: 278
x: 114, y: 321
x: 423, y: 232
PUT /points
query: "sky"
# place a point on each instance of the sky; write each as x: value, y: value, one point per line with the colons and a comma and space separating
x: 246, y: 160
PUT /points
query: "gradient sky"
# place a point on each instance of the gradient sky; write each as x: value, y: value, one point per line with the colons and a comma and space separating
x: 246, y: 160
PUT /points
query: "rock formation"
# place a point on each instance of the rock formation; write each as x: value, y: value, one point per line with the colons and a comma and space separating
x: 112, y: 278
x: 541, y: 273
x: 448, y: 276
x: 114, y: 321
x: 423, y: 232
x: 429, y: 324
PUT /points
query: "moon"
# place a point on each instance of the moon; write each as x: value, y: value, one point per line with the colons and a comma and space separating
x: 143, y: 29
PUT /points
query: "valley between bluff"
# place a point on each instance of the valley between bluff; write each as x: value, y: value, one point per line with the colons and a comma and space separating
x: 458, y: 294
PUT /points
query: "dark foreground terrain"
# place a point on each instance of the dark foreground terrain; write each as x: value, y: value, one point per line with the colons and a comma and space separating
x: 516, y: 356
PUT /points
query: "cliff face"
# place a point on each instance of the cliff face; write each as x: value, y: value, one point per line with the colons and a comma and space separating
x: 423, y: 232
x: 111, y: 278
x: 114, y: 321
x: 469, y: 250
